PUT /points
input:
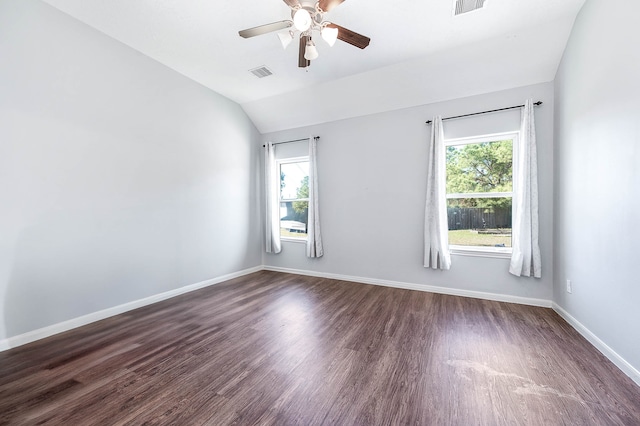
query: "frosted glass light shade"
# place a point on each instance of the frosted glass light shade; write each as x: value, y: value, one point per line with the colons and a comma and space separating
x: 285, y: 38
x: 310, y: 53
x: 330, y: 35
x: 302, y: 20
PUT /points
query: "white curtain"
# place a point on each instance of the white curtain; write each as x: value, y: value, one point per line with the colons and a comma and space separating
x: 272, y: 208
x: 525, y: 259
x: 314, y: 238
x: 436, y: 232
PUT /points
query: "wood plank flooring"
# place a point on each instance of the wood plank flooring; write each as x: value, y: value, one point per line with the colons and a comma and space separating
x: 276, y: 349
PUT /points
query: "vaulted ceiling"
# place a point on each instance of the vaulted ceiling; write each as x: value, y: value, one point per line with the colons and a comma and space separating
x: 419, y: 52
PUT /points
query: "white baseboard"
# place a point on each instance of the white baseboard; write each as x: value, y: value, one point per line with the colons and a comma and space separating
x: 420, y: 287
x: 613, y: 356
x: 41, y: 333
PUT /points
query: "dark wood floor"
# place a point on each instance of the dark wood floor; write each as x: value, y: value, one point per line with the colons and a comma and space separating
x: 280, y: 349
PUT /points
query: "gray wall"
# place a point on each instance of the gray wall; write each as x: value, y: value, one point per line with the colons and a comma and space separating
x: 597, y: 173
x: 119, y: 178
x: 372, y: 191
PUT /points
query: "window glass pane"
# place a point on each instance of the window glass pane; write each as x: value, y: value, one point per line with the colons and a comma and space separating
x: 294, y: 195
x: 294, y: 180
x: 293, y: 219
x: 480, y: 167
x: 482, y: 222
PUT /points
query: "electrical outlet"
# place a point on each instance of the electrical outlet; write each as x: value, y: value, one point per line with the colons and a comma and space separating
x: 568, y: 286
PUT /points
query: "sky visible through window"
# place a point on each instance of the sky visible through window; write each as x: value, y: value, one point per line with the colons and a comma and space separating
x: 294, y: 173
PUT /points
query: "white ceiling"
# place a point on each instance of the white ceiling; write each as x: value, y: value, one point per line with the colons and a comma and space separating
x: 419, y: 52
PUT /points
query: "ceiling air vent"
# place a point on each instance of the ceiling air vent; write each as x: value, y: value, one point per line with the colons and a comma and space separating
x: 261, y: 72
x: 465, y: 6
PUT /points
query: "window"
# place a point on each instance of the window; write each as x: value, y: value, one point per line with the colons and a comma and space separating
x: 480, y: 192
x: 294, y: 197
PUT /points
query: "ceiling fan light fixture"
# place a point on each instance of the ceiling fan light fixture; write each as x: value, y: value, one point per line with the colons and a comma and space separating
x: 302, y: 20
x: 306, y: 21
x: 310, y: 52
x: 330, y: 35
x: 285, y: 38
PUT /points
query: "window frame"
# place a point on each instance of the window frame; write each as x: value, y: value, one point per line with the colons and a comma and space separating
x: 279, y: 162
x: 481, y: 251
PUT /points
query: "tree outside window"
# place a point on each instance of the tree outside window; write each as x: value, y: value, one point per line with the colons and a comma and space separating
x: 480, y: 190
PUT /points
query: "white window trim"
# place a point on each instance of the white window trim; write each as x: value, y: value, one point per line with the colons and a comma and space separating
x: 290, y: 160
x: 478, y: 251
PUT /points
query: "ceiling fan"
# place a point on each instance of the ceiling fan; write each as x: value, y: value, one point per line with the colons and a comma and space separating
x: 308, y: 16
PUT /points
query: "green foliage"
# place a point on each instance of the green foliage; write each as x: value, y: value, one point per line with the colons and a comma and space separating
x: 302, y: 192
x: 480, y: 167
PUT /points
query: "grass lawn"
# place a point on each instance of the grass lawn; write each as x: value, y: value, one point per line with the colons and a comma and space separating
x: 461, y: 237
x: 467, y: 237
x: 285, y: 233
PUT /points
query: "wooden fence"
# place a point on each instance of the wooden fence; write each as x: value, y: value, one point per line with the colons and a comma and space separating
x: 478, y: 218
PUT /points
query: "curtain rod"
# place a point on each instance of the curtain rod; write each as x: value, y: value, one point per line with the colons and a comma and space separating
x: 295, y: 140
x: 486, y: 112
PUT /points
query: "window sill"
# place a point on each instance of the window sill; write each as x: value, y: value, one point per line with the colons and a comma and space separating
x: 496, y: 253
x: 294, y: 240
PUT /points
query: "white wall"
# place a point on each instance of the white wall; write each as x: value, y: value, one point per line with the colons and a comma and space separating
x: 597, y: 202
x: 372, y: 191
x: 119, y: 178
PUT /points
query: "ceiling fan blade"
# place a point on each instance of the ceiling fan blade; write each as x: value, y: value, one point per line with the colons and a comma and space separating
x: 302, y: 61
x: 351, y: 37
x: 327, y: 5
x: 263, y: 29
x: 292, y: 3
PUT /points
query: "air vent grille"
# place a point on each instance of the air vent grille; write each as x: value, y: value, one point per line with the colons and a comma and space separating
x: 261, y: 72
x: 465, y: 6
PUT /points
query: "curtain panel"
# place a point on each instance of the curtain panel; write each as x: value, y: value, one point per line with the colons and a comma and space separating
x: 436, y: 232
x: 272, y: 209
x: 314, y: 237
x: 525, y: 258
